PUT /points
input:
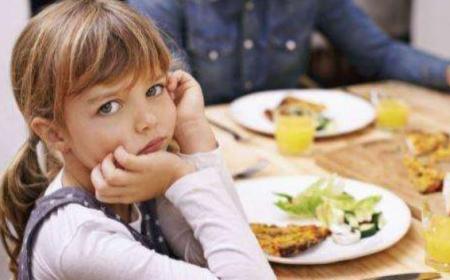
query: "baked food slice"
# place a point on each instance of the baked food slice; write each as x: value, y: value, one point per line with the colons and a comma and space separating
x: 293, y: 106
x: 422, y: 143
x: 425, y: 177
x: 442, y: 154
x: 290, y: 240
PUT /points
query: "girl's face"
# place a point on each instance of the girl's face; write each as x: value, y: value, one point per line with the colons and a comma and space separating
x: 141, y: 118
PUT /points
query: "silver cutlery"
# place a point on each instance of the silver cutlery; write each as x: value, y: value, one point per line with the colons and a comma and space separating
x: 409, y: 276
x: 236, y: 135
x: 250, y: 171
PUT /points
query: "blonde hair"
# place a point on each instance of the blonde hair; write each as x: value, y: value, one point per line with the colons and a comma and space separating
x: 67, y: 48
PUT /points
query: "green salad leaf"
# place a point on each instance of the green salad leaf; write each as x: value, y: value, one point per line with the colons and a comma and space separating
x: 327, y: 201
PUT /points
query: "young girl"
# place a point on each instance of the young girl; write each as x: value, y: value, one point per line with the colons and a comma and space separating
x: 92, y: 80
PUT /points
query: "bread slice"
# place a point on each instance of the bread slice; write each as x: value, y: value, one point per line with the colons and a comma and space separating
x: 291, y: 104
x: 290, y: 240
x: 422, y: 143
x: 425, y: 177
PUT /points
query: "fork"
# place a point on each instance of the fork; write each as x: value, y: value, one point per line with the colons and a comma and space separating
x: 236, y: 135
x: 251, y: 170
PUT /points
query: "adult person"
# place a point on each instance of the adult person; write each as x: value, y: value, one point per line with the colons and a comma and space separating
x: 237, y: 46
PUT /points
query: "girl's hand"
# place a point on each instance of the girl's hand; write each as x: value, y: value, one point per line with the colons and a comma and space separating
x: 140, y: 178
x: 187, y: 96
x: 192, y: 130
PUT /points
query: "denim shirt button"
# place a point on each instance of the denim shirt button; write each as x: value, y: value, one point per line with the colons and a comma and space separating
x: 248, y: 44
x: 248, y: 85
x: 291, y: 45
x: 249, y: 6
x: 213, y: 55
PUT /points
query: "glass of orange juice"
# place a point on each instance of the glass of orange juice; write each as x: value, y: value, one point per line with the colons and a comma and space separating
x: 392, y: 113
x: 294, y: 134
x: 437, y: 239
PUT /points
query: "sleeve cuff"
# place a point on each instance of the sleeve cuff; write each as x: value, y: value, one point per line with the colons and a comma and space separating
x: 204, y: 160
x: 205, y: 178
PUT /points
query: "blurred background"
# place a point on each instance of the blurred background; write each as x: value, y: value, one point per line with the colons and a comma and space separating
x: 421, y: 23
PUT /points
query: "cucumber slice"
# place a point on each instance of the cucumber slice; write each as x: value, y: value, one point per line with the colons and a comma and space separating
x: 368, y: 229
x: 322, y: 123
x: 351, y: 220
x: 378, y: 219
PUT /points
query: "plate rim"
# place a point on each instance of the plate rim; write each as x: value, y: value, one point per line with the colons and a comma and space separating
x: 234, y: 117
x: 290, y: 261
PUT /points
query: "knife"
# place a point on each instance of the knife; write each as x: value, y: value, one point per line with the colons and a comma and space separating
x: 409, y: 276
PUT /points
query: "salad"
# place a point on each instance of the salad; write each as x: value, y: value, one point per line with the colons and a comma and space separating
x: 348, y: 218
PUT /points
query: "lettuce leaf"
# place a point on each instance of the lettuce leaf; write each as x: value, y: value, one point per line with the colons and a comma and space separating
x: 326, y: 200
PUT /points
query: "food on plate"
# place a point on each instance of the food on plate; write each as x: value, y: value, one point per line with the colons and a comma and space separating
x: 294, y: 106
x: 290, y: 240
x: 427, y: 151
x: 348, y: 218
x: 442, y: 154
x: 425, y: 177
x: 422, y: 143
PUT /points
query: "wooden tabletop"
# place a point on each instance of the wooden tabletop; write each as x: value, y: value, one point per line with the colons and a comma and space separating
x: 430, y: 110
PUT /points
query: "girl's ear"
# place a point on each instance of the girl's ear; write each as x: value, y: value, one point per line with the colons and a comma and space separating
x: 54, y: 136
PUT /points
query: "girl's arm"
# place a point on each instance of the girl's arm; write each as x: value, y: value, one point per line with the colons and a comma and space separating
x: 175, y: 227
x: 214, y: 159
x: 231, y: 250
x: 229, y: 246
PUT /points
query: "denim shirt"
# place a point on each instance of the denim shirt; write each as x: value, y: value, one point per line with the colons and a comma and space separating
x: 238, y: 46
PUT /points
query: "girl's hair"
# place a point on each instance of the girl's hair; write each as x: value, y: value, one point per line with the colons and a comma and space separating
x: 67, y: 48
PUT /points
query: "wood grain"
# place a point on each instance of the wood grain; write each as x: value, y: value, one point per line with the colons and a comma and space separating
x: 380, y: 162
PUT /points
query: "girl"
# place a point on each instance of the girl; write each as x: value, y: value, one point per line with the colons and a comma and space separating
x: 91, y: 79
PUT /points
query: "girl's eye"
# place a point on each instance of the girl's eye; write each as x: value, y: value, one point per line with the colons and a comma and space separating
x: 109, y: 108
x: 155, y: 90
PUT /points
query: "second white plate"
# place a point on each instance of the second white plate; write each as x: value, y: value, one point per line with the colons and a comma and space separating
x: 348, y: 112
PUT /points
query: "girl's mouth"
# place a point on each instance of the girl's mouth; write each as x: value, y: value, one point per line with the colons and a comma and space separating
x: 153, y: 146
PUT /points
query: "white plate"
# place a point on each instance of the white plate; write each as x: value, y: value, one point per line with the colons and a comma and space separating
x: 348, y: 112
x: 258, y: 201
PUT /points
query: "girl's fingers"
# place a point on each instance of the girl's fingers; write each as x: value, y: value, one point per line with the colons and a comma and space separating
x: 103, y: 191
x: 128, y: 161
x: 112, y: 175
x: 178, y: 79
x: 172, y: 81
x: 97, y: 178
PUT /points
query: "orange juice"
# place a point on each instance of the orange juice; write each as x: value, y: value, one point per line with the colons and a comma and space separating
x: 392, y: 113
x: 437, y: 238
x: 294, y: 134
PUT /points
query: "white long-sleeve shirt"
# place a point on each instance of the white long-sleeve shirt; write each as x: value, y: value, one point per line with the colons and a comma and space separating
x: 200, y: 217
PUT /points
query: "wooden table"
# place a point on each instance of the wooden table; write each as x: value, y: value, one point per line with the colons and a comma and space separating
x: 430, y: 110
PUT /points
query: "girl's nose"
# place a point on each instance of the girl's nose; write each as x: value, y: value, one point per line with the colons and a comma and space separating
x: 145, y: 120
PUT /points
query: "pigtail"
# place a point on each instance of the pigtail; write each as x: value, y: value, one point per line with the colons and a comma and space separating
x: 21, y: 185
x: 67, y: 48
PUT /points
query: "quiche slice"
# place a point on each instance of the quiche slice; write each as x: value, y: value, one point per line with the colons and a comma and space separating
x: 297, y: 107
x: 422, y: 143
x: 424, y: 177
x: 290, y: 240
x: 442, y: 154
x: 292, y: 104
